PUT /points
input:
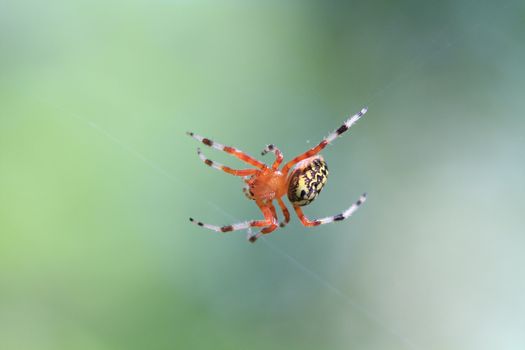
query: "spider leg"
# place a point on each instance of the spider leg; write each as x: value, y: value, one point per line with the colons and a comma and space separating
x: 285, y: 211
x: 274, y: 212
x: 344, y: 215
x: 268, y: 223
x: 234, y: 227
x: 327, y: 140
x: 219, y: 166
x: 278, y: 155
x: 252, y: 238
x: 230, y: 150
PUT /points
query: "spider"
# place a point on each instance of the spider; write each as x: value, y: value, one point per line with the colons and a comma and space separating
x: 301, y: 179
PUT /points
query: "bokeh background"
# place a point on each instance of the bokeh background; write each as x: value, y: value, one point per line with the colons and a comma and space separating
x: 98, y: 179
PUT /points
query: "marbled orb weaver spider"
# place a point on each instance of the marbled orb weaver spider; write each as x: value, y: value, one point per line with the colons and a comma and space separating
x: 265, y: 184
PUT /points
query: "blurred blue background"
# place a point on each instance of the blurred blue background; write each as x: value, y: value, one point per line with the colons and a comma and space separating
x: 98, y: 179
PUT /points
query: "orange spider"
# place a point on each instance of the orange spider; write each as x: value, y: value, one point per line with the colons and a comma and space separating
x: 265, y: 184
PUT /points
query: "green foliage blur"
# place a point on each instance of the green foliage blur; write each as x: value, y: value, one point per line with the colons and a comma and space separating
x: 98, y: 179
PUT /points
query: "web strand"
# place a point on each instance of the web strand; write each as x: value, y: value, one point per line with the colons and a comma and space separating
x: 417, y: 62
x: 159, y: 169
x: 344, y: 297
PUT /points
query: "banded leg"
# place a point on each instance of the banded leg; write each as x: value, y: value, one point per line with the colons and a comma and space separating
x: 344, y: 215
x: 327, y: 140
x: 230, y: 150
x: 285, y: 211
x: 267, y: 223
x: 252, y: 238
x: 278, y: 155
x: 219, y: 166
x: 234, y: 227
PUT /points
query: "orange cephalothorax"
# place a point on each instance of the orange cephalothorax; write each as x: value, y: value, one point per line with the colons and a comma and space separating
x: 264, y: 184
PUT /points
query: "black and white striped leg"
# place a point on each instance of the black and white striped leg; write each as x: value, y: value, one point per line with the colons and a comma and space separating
x: 278, y: 155
x: 219, y: 166
x: 268, y: 224
x: 230, y: 150
x: 326, y: 141
x: 339, y: 217
x: 234, y: 227
x: 346, y: 125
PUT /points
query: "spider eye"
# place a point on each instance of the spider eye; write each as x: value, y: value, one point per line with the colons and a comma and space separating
x: 307, y: 180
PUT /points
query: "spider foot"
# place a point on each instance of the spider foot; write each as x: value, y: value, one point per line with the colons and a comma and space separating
x: 278, y: 154
x: 252, y: 237
x: 268, y: 148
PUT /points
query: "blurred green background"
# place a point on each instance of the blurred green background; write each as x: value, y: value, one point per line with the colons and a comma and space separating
x: 98, y: 179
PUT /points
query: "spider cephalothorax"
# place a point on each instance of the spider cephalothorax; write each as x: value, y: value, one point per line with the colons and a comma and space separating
x: 301, y: 179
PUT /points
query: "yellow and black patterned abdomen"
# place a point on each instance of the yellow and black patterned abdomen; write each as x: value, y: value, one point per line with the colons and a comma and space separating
x: 307, y: 180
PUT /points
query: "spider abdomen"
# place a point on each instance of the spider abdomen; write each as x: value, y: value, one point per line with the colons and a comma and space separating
x: 307, y: 180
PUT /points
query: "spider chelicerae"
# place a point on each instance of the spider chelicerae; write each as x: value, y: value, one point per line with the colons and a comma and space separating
x: 301, y: 179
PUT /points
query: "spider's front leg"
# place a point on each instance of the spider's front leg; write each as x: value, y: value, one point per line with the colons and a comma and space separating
x: 339, y: 217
